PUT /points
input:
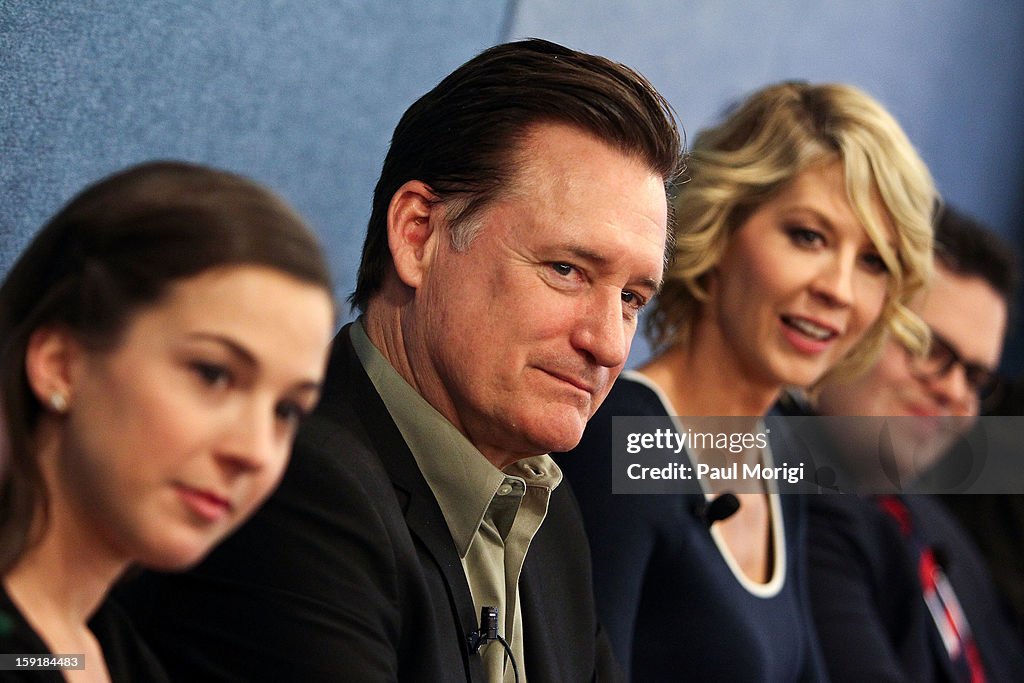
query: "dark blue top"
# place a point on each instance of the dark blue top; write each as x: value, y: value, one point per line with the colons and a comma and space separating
x: 673, y: 607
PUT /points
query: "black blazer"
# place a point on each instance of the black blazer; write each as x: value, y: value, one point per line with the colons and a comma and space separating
x: 866, y: 596
x: 349, y: 572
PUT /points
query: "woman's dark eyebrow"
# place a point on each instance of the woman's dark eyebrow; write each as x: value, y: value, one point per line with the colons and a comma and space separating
x: 248, y: 358
x: 234, y: 347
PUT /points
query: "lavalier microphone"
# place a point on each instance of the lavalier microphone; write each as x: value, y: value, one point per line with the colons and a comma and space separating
x: 487, y: 632
x: 718, y: 508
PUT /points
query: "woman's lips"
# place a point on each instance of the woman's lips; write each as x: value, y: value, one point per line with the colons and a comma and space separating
x: 206, y: 505
x: 808, y: 335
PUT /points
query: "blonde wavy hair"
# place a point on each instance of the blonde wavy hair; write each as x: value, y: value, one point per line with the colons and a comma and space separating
x: 760, y: 147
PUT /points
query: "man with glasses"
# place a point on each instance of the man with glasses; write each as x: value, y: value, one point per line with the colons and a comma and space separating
x: 898, y: 591
x: 943, y: 357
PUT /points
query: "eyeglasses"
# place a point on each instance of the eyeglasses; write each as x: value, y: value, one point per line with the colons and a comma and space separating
x: 941, y: 358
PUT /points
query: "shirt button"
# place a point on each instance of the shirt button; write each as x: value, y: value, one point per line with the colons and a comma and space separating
x: 504, y: 489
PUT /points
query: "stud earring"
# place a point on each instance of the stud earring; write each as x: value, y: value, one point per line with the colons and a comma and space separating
x: 58, y: 402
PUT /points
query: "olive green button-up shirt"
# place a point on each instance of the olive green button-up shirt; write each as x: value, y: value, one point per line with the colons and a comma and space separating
x: 492, y: 514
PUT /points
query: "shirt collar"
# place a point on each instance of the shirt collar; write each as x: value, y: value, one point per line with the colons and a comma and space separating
x: 463, y: 481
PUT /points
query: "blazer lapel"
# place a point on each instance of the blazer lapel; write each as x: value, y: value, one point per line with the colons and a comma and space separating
x: 422, y: 513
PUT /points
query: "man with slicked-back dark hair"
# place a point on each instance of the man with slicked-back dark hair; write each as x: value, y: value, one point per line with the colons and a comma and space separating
x: 519, y: 226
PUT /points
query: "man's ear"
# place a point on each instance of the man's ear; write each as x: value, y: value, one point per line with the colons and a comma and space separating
x: 49, y: 356
x: 412, y: 234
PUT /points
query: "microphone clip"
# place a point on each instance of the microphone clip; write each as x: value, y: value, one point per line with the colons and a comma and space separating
x: 487, y: 632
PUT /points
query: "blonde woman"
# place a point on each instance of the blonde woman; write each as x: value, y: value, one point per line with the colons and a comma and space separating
x: 802, y: 233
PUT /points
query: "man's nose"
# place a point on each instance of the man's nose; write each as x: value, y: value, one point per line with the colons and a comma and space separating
x: 601, y: 330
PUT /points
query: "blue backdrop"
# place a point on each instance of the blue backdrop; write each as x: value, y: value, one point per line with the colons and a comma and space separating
x: 303, y: 94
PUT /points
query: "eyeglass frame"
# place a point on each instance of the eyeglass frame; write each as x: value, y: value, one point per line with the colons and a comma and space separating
x: 982, y: 381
